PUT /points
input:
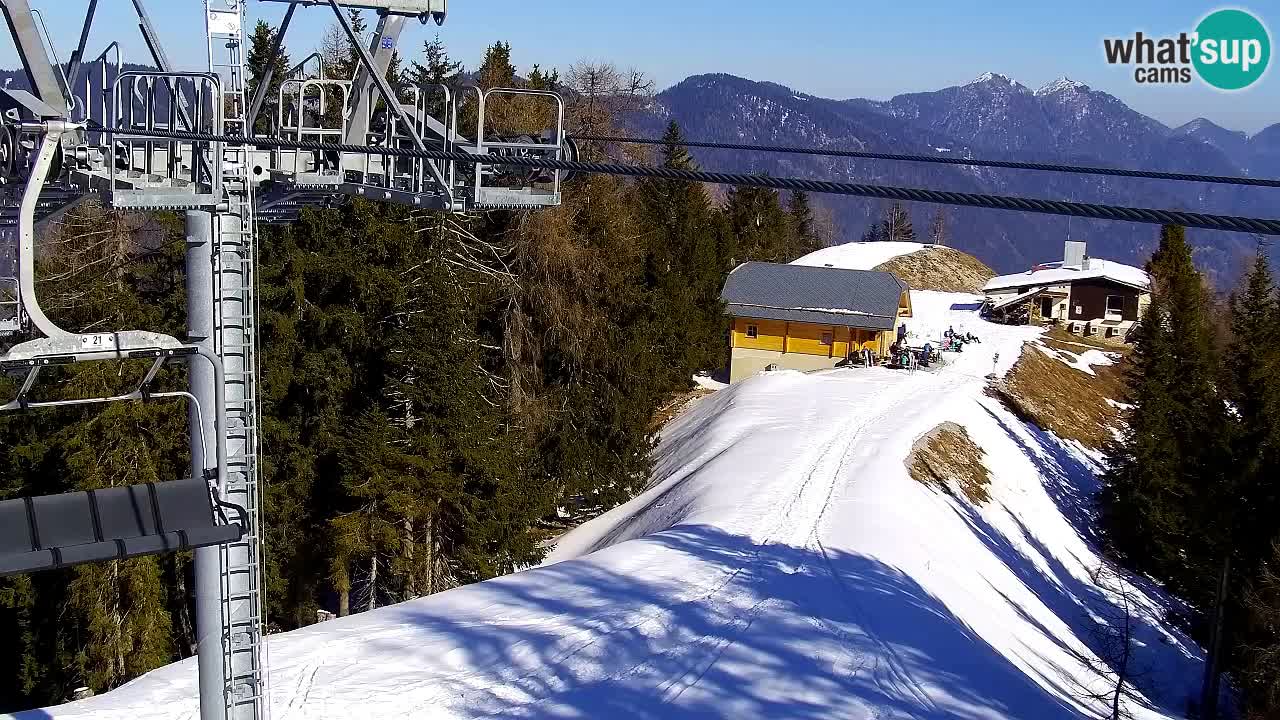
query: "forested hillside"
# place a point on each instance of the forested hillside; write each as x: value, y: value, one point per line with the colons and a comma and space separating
x: 1190, y: 495
x: 437, y: 388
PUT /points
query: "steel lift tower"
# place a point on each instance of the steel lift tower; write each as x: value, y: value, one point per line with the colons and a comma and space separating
x: 77, y: 130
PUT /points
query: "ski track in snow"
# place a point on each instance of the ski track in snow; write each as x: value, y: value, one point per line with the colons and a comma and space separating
x: 781, y: 565
x: 689, y: 662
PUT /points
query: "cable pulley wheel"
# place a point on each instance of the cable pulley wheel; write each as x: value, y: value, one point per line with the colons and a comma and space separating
x: 571, y: 154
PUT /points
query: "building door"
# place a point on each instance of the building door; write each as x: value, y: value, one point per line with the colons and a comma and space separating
x: 1046, y: 308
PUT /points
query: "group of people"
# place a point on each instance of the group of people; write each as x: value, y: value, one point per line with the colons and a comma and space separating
x: 955, y: 342
x: 902, y: 355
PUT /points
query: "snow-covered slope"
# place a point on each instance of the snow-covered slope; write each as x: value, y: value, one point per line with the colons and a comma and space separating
x: 858, y: 255
x: 782, y: 565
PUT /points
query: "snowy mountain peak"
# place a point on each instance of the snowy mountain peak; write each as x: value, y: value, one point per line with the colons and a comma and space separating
x: 998, y: 81
x: 1062, y: 84
x: 1200, y: 124
x: 1203, y: 126
x: 994, y: 79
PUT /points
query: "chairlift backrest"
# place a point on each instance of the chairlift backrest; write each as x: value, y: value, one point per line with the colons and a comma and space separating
x: 54, y: 531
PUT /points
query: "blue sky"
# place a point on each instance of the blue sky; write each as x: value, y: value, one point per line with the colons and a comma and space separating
x: 833, y: 48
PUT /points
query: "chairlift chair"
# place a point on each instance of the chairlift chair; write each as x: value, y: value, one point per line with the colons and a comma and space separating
x: 55, y: 531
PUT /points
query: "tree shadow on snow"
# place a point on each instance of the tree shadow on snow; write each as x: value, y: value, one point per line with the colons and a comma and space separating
x: 784, y: 632
x: 1164, y: 665
x: 1069, y: 482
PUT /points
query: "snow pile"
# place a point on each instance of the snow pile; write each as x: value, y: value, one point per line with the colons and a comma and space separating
x: 1085, y: 361
x: 858, y: 255
x: 706, y: 382
x: 782, y: 565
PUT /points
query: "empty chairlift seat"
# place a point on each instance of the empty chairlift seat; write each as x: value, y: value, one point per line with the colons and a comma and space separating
x: 55, y: 531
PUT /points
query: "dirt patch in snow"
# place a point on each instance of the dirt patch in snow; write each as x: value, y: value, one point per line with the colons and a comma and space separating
x: 940, y: 268
x: 947, y: 458
x: 1063, y: 400
x: 677, y: 404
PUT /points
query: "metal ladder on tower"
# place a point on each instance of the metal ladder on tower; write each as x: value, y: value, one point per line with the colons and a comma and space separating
x: 235, y: 277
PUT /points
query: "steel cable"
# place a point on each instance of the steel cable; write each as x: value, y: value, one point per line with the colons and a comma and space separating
x: 1231, y: 223
x: 1006, y: 164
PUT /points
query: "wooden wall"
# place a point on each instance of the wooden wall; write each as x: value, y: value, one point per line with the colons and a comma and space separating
x: 806, y: 338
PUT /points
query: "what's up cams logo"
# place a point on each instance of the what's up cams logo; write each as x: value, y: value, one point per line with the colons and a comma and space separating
x: 1229, y: 50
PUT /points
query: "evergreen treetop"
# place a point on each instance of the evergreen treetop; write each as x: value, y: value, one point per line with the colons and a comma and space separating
x: 804, y: 237
x: 258, y: 62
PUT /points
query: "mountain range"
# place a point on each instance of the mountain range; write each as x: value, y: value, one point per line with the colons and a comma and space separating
x: 991, y: 117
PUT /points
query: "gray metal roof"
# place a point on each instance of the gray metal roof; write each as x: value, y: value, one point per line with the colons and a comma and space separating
x: 828, y: 296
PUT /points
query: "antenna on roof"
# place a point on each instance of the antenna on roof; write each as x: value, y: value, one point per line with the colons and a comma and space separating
x: 1069, y: 219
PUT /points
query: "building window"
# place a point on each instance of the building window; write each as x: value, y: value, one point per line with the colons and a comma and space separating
x: 1115, y: 305
x: 753, y: 331
x: 826, y: 338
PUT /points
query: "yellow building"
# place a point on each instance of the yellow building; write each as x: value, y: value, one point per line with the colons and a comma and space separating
x: 809, y: 318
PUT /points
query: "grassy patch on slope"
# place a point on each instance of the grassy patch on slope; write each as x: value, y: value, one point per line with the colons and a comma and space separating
x: 940, y: 268
x: 947, y: 458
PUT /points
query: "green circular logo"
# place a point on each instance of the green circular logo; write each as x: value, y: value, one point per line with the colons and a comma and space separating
x: 1232, y: 49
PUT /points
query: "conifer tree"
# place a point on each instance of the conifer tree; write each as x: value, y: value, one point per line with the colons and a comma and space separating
x: 505, y: 114
x: 1168, y: 475
x: 585, y: 375
x: 684, y: 267
x: 350, y: 58
x: 541, y: 80
x: 406, y: 460
x: 1253, y: 364
x: 803, y: 234
x: 496, y: 69
x: 761, y: 228
x: 1253, y: 388
x: 438, y: 69
x: 259, y: 60
x: 399, y: 78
